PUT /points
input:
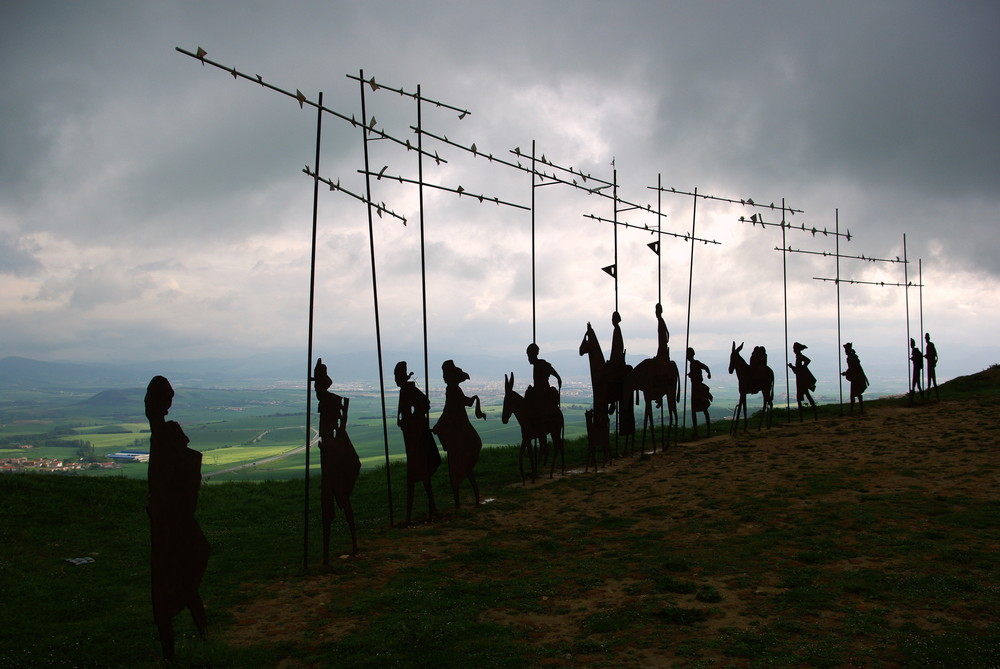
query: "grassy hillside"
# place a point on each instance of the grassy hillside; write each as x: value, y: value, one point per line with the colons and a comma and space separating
x: 842, y: 564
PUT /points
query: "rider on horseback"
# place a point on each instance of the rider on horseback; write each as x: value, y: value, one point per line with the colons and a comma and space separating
x: 541, y: 398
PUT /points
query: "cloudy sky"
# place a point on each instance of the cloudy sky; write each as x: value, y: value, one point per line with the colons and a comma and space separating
x: 153, y: 207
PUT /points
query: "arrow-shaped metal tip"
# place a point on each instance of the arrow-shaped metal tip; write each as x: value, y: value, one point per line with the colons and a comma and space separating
x: 300, y: 97
x: 372, y: 83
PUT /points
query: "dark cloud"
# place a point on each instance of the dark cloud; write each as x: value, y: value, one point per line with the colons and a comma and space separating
x: 18, y: 258
x: 115, y: 145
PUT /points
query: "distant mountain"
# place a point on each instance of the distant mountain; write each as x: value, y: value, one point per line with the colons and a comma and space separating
x: 886, y: 367
x: 24, y: 373
x: 112, y: 398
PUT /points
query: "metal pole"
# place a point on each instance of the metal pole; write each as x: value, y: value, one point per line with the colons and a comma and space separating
x: 659, y: 220
x: 423, y: 251
x: 840, y: 358
x: 906, y: 283
x: 614, y: 202
x: 687, y: 328
x: 378, y: 326
x: 784, y: 284
x: 920, y: 335
x: 534, y: 332
x: 659, y: 281
x: 309, y: 354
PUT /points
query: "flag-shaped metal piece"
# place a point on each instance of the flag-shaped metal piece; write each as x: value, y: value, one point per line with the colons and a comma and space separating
x: 654, y: 247
x: 611, y: 270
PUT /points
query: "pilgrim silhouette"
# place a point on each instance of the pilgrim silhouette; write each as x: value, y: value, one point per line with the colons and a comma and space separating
x: 855, y: 374
x: 619, y: 391
x: 339, y: 462
x: 617, y: 367
x: 701, y: 398
x: 754, y: 377
x: 916, y: 378
x: 656, y: 378
x: 540, y: 415
x: 931, y: 358
x: 542, y: 399
x: 537, y: 423
x: 457, y: 435
x: 422, y: 456
x: 598, y: 425
x: 805, y: 382
x: 180, y: 551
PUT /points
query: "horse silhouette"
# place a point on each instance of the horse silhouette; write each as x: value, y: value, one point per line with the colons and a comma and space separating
x: 536, y: 427
x: 656, y: 379
x: 598, y: 424
x: 754, y: 377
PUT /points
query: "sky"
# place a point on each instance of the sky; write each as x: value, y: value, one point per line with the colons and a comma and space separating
x: 152, y: 207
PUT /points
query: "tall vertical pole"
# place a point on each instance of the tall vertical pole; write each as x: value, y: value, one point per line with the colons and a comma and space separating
x: 614, y: 200
x: 659, y: 281
x: 309, y: 347
x: 423, y: 248
x: 687, y: 327
x: 920, y: 335
x: 659, y: 259
x: 534, y: 331
x: 784, y: 284
x: 378, y: 326
x: 840, y: 357
x: 906, y: 283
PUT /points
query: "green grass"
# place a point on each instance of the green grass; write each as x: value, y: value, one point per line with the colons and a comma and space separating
x: 791, y: 566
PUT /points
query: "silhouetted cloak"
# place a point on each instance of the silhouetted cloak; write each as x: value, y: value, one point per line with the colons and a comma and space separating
x: 855, y: 374
x: 339, y: 462
x: 422, y: 456
x: 457, y: 435
x: 805, y: 381
x: 180, y: 550
x: 701, y: 397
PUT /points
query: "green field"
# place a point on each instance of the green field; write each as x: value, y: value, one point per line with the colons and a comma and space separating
x: 230, y: 427
x: 872, y: 559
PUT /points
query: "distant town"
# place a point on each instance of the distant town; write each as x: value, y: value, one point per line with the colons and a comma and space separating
x: 41, y: 465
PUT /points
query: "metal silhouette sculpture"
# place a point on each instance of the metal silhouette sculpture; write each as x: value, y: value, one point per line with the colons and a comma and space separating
x: 180, y: 550
x: 855, y: 375
x: 422, y: 456
x: 538, y: 422
x: 618, y: 392
x: 701, y: 397
x: 339, y: 462
x: 598, y: 425
x: 657, y: 378
x: 931, y: 358
x: 754, y: 377
x: 917, y: 358
x: 805, y: 382
x: 458, y: 437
